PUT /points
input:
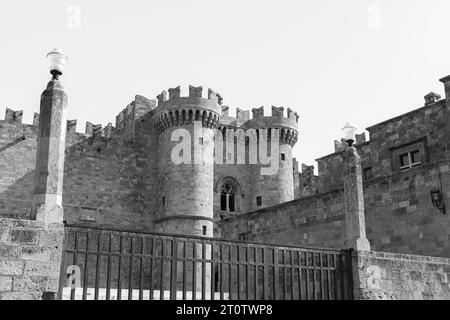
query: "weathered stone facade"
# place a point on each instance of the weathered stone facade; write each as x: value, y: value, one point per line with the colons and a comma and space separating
x: 387, y: 276
x: 400, y: 216
x: 30, y: 259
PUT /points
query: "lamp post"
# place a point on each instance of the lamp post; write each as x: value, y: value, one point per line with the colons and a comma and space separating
x: 349, y: 134
x: 355, y: 225
x: 51, y: 145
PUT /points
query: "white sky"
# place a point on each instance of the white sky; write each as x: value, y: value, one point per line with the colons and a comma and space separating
x: 361, y: 61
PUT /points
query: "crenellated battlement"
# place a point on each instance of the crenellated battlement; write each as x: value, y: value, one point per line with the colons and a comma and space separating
x: 194, y: 92
x: 12, y: 116
x: 173, y: 109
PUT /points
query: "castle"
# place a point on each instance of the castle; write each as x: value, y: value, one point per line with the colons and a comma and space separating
x: 123, y: 176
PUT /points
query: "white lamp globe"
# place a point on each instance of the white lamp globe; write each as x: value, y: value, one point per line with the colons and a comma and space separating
x: 349, y: 132
x: 57, y: 60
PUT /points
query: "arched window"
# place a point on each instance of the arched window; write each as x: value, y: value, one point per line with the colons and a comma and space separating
x: 229, y: 191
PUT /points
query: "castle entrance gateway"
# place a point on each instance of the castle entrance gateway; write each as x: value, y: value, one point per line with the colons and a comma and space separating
x: 108, y: 264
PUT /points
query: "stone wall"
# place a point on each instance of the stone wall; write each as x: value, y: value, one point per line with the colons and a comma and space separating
x: 104, y: 178
x: 30, y: 259
x: 426, y: 126
x: 386, y: 276
x: 17, y: 163
x: 316, y: 221
x: 398, y: 212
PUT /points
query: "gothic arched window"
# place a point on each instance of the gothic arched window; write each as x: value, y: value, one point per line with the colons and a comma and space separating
x: 229, y: 192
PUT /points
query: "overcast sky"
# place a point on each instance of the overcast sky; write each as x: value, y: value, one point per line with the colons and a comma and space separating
x: 362, y: 61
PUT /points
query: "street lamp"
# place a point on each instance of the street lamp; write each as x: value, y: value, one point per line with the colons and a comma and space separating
x: 349, y: 134
x: 57, y: 60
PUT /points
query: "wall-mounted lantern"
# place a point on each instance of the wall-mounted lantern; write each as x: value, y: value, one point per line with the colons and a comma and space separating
x: 436, y: 199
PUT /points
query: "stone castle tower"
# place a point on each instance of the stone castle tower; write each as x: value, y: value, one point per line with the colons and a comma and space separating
x: 186, y: 189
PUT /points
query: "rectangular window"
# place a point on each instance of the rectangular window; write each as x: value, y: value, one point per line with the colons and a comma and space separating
x: 283, y: 157
x: 163, y: 201
x: 410, y: 160
x: 200, y: 141
x: 259, y: 201
x: 409, y: 155
x: 204, y: 230
x: 367, y: 173
x: 243, y: 236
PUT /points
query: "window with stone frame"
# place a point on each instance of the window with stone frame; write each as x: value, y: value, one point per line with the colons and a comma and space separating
x: 410, y: 155
x: 228, y: 193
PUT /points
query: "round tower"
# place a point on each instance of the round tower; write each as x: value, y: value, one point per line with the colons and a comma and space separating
x: 185, y: 128
x: 273, y: 183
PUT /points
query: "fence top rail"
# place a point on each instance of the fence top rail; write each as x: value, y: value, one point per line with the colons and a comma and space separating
x: 76, y: 227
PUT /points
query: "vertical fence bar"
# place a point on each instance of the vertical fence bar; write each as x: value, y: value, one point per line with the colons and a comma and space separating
x: 141, y: 272
x: 173, y: 275
x: 85, y: 276
x: 238, y: 281
x: 283, y: 254
x: 256, y: 296
x: 265, y: 254
x: 97, y: 271
x: 203, y: 264
x: 247, y: 273
x: 335, y: 277
x: 161, y: 287
x: 329, y: 276
x: 152, y: 265
x: 321, y: 276
x: 75, y: 263
x: 194, y: 271
x: 340, y: 272
x: 314, y: 287
x: 292, y: 274
x: 276, y: 277
x: 119, y: 277
x: 221, y: 271
x: 108, y: 271
x: 307, y: 286
x: 130, y: 278
x: 230, y: 271
x: 213, y: 273
x: 184, y: 269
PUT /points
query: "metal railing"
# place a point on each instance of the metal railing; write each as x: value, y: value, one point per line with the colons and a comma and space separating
x: 107, y: 264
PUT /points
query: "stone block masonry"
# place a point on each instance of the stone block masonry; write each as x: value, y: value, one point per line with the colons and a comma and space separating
x: 30, y: 259
x: 387, y: 276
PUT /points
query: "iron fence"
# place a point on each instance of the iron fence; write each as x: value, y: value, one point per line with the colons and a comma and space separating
x: 107, y: 264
